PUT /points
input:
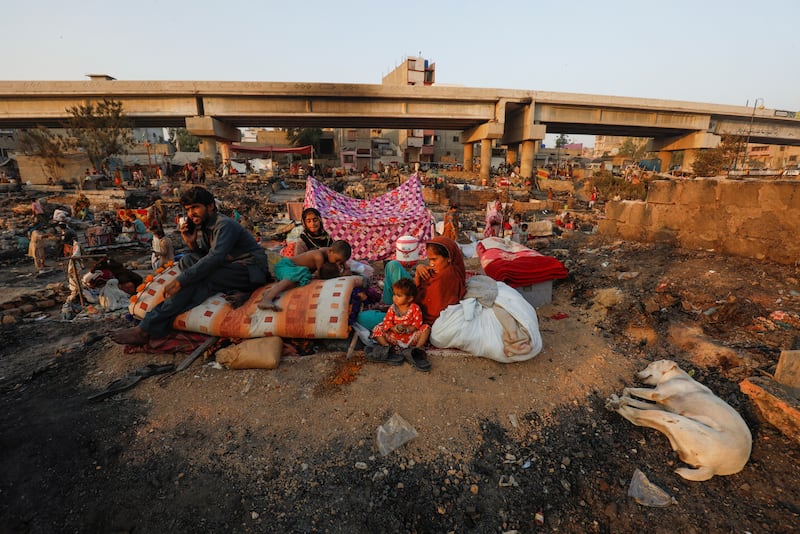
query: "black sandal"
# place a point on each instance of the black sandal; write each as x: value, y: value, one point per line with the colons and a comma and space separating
x: 417, y: 358
x: 382, y: 354
x: 126, y: 383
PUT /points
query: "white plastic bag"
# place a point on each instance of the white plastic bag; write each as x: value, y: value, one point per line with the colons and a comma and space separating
x: 475, y: 329
x: 112, y: 297
x: 394, y: 433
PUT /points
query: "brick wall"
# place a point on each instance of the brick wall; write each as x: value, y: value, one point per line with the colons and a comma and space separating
x: 752, y: 218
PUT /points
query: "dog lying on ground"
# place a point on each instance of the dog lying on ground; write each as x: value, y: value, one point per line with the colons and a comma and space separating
x: 704, y: 430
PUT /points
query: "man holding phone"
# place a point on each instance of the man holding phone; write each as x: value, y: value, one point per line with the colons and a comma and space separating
x: 223, y: 258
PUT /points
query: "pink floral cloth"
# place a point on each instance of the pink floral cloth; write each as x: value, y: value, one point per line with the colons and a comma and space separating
x: 372, y: 226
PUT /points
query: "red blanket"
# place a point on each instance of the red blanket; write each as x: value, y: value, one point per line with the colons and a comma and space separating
x: 517, y: 265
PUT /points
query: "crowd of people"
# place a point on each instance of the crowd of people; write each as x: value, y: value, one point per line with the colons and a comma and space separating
x: 224, y: 257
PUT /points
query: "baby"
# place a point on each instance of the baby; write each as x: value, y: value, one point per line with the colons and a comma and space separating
x: 402, y: 326
x: 297, y: 271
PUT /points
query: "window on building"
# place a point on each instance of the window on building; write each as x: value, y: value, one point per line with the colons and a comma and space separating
x: 351, y: 135
x: 455, y: 139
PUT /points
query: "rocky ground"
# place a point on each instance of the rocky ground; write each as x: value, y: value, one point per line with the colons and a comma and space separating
x: 525, y: 447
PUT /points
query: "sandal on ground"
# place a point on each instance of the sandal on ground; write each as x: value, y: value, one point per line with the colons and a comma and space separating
x: 382, y: 354
x: 417, y: 358
x: 126, y: 383
x: 155, y: 369
x: 117, y: 386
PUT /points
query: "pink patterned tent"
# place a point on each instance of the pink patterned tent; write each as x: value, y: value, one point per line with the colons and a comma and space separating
x: 372, y: 226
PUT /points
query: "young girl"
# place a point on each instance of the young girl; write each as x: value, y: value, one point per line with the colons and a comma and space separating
x: 402, y: 326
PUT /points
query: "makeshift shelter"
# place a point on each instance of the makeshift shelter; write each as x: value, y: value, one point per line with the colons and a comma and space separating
x: 373, y: 226
x: 307, y: 150
x: 180, y: 159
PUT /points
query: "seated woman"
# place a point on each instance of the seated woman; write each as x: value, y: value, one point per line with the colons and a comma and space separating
x: 314, y: 235
x: 440, y: 283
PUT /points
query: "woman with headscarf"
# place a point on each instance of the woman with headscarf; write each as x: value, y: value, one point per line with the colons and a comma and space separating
x: 440, y: 283
x: 314, y: 235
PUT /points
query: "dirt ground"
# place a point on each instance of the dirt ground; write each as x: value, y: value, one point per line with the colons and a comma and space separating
x: 294, y: 449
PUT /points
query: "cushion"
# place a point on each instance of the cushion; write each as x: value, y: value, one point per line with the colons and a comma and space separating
x: 318, y: 310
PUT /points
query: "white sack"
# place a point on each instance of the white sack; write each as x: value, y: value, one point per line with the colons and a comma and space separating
x: 470, y: 327
x: 112, y: 297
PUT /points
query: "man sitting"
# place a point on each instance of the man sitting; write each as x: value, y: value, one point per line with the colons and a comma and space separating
x: 224, y: 258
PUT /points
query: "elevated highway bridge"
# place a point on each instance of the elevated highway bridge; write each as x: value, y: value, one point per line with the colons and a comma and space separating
x: 518, y: 119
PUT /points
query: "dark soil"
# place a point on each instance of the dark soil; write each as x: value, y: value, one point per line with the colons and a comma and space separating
x: 209, y: 450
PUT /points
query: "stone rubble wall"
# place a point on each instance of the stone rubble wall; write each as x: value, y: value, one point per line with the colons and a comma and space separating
x: 750, y: 218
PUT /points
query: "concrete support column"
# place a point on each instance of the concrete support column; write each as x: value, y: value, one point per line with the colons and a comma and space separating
x: 526, y: 167
x: 512, y: 154
x: 468, y: 155
x: 486, y: 159
x: 666, y: 160
x: 689, y: 155
x: 225, y: 151
x: 208, y: 147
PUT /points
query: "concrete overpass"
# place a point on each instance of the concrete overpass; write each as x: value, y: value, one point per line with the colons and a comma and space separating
x: 518, y: 119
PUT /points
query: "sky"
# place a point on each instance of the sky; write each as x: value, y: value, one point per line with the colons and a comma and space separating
x: 709, y: 51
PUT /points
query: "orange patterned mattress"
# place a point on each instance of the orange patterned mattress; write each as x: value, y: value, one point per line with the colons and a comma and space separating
x: 316, y: 311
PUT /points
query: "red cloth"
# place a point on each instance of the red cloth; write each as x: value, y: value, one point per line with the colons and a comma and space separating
x: 446, y: 287
x: 174, y: 342
x: 517, y: 265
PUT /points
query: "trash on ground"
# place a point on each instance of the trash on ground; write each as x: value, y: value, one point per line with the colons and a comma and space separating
x: 394, y: 433
x: 648, y: 494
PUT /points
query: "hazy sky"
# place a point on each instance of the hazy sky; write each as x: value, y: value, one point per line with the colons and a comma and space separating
x: 712, y: 51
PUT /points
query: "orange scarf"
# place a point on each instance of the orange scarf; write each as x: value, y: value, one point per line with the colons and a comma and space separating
x: 445, y: 287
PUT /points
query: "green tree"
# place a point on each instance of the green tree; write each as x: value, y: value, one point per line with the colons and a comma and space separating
x: 562, y: 140
x: 183, y: 140
x: 101, y: 129
x: 305, y: 137
x: 633, y: 147
x: 714, y: 161
x: 47, y: 145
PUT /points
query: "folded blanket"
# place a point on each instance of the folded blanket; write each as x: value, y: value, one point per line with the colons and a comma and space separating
x: 516, y: 265
x: 318, y: 310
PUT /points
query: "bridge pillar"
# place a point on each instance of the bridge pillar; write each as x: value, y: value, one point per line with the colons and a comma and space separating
x: 213, y: 131
x: 208, y: 147
x: 225, y: 152
x: 468, y: 155
x: 665, y: 157
x: 486, y: 159
x: 526, y: 168
x: 690, y: 145
x: 512, y: 154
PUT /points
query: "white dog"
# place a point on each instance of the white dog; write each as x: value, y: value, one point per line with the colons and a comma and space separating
x: 704, y: 430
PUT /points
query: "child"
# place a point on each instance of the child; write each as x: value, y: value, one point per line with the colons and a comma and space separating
x: 523, y: 234
x: 163, y: 250
x: 451, y: 223
x: 297, y: 271
x: 515, y: 229
x: 402, y: 326
x: 329, y: 270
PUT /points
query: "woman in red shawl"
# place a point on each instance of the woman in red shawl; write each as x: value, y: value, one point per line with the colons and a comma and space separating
x: 444, y: 281
x: 440, y: 283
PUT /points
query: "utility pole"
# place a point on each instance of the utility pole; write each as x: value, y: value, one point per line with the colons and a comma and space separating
x: 750, y: 131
